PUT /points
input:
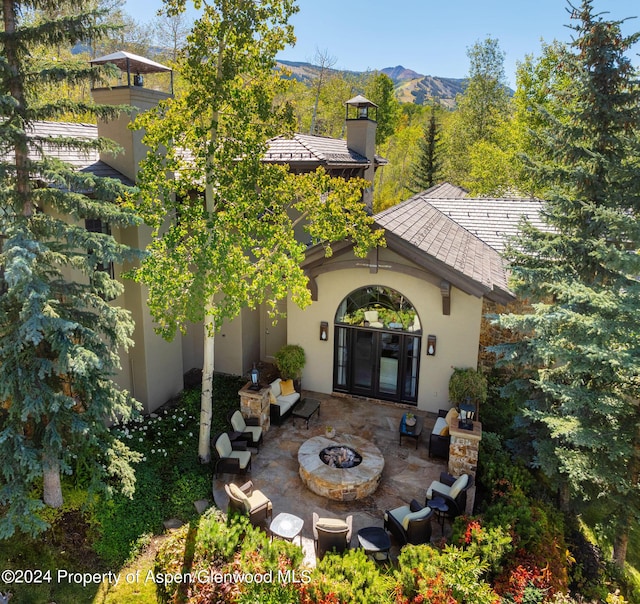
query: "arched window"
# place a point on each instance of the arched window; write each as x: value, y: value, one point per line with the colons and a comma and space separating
x: 378, y: 307
x: 377, y: 345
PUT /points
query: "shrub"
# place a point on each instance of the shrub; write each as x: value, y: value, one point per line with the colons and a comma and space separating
x: 290, y: 360
x: 352, y: 577
x: 467, y: 383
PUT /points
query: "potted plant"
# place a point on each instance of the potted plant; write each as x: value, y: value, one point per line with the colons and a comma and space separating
x: 290, y: 361
x: 329, y: 431
x: 467, y: 385
x: 410, y: 419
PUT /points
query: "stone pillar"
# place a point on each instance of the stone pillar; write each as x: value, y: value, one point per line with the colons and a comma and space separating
x: 255, y: 403
x: 463, y: 455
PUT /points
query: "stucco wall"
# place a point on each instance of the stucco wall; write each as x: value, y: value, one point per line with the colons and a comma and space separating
x: 457, y: 334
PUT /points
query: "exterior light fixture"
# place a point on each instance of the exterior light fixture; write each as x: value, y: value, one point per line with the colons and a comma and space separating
x: 467, y: 415
x: 324, y: 331
x: 255, y: 378
x: 431, y: 345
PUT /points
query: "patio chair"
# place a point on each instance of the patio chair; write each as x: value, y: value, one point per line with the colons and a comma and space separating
x: 231, y: 459
x: 247, y: 500
x: 249, y: 428
x: 440, y: 439
x: 453, y: 490
x: 409, y: 523
x: 331, y: 534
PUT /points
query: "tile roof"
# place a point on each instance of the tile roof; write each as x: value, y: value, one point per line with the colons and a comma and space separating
x: 84, y: 160
x: 320, y: 150
x: 444, y: 190
x: 447, y: 248
x: 492, y: 220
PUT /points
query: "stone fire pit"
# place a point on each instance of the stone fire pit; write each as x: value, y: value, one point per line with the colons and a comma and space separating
x: 340, y: 484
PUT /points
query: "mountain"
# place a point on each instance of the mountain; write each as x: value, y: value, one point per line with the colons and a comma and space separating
x: 410, y: 86
x: 401, y: 74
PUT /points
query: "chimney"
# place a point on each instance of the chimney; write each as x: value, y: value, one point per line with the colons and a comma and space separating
x: 133, y: 93
x: 361, y: 138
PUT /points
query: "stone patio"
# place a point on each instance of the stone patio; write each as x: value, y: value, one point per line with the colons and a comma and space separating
x: 407, y: 471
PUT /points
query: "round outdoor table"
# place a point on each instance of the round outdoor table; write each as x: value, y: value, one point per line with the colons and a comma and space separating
x: 286, y: 526
x: 440, y: 507
x: 375, y: 541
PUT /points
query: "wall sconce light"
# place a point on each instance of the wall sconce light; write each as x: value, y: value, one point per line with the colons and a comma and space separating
x: 324, y: 331
x: 431, y: 346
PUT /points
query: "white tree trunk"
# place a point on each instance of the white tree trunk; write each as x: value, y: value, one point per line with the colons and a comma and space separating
x: 206, y: 400
x: 52, y: 489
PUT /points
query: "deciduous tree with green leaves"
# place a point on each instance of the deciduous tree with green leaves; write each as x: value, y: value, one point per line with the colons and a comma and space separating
x: 225, y: 220
x: 482, y: 109
x: 581, y: 344
x: 59, y: 335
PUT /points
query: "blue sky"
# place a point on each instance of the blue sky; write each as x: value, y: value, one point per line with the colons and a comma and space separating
x: 430, y: 37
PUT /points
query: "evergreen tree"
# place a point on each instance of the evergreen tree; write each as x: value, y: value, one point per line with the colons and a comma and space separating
x: 59, y: 337
x: 426, y: 169
x: 581, y: 344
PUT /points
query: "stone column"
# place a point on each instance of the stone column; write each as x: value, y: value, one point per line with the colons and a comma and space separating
x: 255, y: 404
x: 463, y: 455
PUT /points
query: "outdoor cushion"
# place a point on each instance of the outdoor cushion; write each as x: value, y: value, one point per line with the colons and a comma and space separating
x: 275, y: 387
x: 238, y: 494
x: 243, y: 457
x: 257, y: 499
x: 399, y: 513
x: 440, y: 425
x: 272, y: 397
x: 286, y: 387
x: 223, y: 445
x: 331, y: 524
x: 423, y: 513
x: 451, y: 416
x: 238, y: 423
x: 285, y: 402
x: 458, y: 485
x: 438, y: 486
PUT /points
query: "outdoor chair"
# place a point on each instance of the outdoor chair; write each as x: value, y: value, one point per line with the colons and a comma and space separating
x: 231, y: 459
x: 249, y: 428
x: 453, y: 490
x: 247, y: 500
x: 409, y: 523
x: 331, y: 534
x: 440, y: 439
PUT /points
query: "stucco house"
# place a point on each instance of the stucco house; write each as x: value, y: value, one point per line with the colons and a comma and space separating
x: 391, y: 326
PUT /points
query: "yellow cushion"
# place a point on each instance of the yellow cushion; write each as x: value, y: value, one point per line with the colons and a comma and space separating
x: 286, y: 387
x: 452, y: 415
x: 445, y: 431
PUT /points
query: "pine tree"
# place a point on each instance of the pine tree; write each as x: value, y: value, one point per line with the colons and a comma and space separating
x: 59, y: 335
x: 581, y: 344
x: 427, y: 166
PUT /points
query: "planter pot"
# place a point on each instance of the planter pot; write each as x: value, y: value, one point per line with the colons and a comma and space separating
x: 411, y: 422
x: 330, y: 433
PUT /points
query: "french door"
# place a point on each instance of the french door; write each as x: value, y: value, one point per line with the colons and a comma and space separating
x: 377, y: 363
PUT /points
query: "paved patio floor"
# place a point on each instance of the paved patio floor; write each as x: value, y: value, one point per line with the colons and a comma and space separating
x: 407, y: 472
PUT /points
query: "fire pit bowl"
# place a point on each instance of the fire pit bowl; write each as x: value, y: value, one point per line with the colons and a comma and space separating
x: 340, y: 456
x: 348, y: 482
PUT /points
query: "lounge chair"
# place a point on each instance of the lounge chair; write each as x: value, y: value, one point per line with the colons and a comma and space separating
x: 453, y: 490
x: 409, y: 523
x: 249, y: 428
x: 231, y: 459
x: 247, y: 500
x: 331, y: 534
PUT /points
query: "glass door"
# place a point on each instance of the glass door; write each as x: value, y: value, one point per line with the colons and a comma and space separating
x: 363, y: 361
x: 388, y: 353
